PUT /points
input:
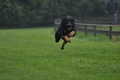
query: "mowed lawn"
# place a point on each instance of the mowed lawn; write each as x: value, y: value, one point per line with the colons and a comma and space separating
x: 32, y: 54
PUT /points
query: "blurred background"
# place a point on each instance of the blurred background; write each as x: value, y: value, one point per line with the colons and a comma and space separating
x: 31, y: 13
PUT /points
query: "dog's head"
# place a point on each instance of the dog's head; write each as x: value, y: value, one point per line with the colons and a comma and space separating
x: 67, y: 23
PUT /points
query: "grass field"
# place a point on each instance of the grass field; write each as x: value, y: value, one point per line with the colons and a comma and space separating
x: 32, y: 54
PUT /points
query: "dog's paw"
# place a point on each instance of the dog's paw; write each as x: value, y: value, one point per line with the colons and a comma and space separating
x: 72, y: 33
x: 62, y: 48
x: 66, y: 38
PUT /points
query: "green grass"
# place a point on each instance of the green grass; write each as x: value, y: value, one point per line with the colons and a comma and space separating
x: 32, y: 54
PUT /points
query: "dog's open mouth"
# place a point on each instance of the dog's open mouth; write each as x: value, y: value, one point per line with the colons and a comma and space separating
x: 69, y: 28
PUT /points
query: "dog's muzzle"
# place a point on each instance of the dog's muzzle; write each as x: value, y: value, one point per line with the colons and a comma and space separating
x: 69, y: 26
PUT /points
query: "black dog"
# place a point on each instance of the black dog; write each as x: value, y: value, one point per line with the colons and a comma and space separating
x: 66, y: 30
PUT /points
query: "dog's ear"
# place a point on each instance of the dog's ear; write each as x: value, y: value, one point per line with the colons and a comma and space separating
x: 57, y: 37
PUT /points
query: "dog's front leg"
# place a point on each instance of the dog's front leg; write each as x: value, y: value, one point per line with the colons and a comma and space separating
x: 63, y: 44
x: 72, y: 33
x: 66, y: 38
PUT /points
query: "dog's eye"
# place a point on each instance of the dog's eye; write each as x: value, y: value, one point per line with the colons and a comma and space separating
x: 67, y: 21
x: 71, y: 20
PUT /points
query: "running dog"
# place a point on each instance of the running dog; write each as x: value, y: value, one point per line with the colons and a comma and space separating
x: 66, y: 30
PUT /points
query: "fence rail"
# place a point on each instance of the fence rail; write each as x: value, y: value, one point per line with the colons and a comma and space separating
x: 83, y: 27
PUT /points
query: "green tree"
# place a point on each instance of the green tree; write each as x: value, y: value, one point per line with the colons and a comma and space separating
x: 26, y: 13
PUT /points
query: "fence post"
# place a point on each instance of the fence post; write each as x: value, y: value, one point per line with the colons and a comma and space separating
x: 55, y: 25
x: 110, y: 33
x: 94, y: 31
x: 76, y: 26
x: 86, y: 32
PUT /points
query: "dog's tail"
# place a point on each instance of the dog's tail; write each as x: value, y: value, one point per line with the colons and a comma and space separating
x: 57, y: 37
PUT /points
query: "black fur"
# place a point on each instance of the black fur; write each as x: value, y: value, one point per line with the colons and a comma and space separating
x: 66, y: 30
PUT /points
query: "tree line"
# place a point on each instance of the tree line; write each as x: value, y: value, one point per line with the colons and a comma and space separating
x: 29, y: 13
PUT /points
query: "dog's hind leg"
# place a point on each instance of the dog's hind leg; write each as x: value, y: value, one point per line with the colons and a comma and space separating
x: 63, y: 45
